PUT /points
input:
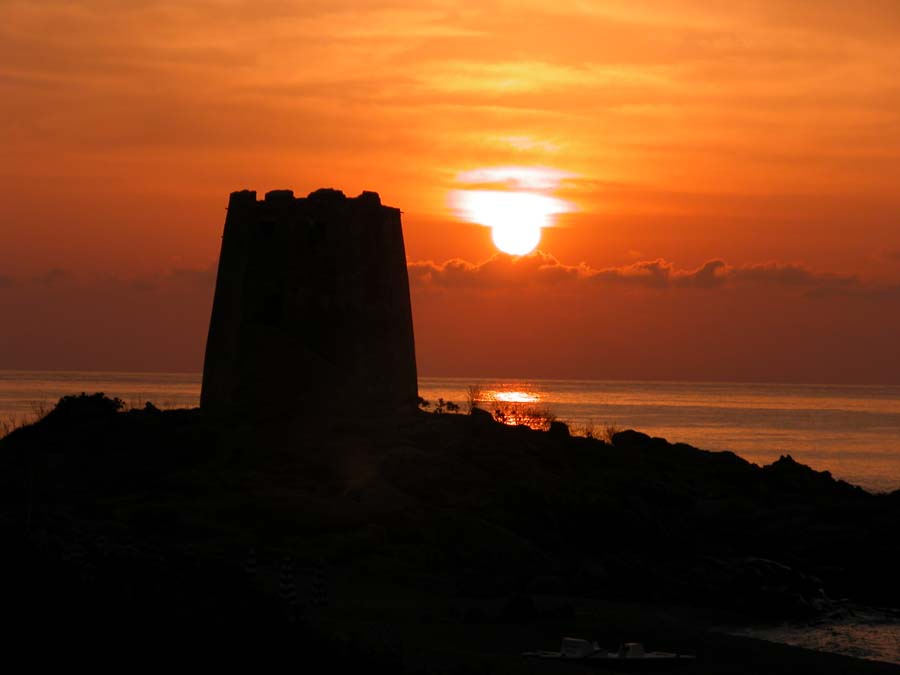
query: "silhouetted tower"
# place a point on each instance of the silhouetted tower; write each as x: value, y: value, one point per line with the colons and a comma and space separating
x: 311, y: 312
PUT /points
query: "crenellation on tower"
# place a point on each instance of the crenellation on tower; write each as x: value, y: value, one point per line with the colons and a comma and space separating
x: 279, y: 195
x: 242, y: 199
x: 312, y: 307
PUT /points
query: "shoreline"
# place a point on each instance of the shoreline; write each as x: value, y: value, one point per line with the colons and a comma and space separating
x: 758, y: 425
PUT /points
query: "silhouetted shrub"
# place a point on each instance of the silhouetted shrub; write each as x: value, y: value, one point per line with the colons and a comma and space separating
x: 39, y: 411
x: 473, y: 397
x: 609, y: 431
x: 443, y: 406
x: 516, y: 413
x: 84, y: 407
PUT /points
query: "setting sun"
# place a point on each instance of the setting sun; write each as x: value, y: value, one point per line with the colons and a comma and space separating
x: 516, y: 239
x: 515, y: 216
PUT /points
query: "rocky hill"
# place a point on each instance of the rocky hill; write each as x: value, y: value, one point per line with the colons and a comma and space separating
x: 486, y: 509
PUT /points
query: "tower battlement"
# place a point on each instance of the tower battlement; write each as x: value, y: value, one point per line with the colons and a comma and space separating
x: 311, y: 311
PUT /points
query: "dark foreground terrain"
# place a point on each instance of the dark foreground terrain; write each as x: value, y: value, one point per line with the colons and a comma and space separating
x: 438, y: 543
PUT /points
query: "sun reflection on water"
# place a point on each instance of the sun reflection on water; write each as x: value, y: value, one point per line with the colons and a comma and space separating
x: 515, y: 406
x: 514, y: 396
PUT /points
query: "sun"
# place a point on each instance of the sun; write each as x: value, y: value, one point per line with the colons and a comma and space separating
x: 515, y: 217
x: 516, y: 240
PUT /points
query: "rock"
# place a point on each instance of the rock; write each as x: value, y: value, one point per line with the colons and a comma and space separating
x: 630, y: 439
x: 519, y: 609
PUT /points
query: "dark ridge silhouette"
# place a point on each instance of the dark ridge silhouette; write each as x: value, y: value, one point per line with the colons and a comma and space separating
x: 133, y: 519
x: 311, y: 307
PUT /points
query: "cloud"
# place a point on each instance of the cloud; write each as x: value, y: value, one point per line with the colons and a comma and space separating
x: 75, y: 321
x: 499, y: 271
x: 53, y: 277
x: 202, y: 278
x: 538, y: 270
x: 183, y: 279
x: 532, y: 316
x: 794, y: 276
x: 660, y: 274
x: 543, y: 270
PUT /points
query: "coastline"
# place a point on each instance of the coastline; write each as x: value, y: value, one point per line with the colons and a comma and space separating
x: 851, y: 431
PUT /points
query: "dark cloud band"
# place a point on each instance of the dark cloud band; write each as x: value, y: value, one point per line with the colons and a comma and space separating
x: 542, y: 269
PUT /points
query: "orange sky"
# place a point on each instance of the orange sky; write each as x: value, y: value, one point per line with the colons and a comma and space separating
x: 765, y: 135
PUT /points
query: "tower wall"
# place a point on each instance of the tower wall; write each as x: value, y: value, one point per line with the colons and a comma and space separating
x: 311, y: 311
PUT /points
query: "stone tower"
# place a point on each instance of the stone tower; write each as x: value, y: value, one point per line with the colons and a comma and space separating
x: 311, y: 313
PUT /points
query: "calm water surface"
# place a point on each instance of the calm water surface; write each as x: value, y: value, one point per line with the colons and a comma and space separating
x: 863, y: 633
x: 852, y: 431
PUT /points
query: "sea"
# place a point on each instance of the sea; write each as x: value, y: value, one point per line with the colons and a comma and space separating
x: 853, y: 431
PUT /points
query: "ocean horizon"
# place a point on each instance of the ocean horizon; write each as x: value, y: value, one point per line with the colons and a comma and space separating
x: 853, y: 431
